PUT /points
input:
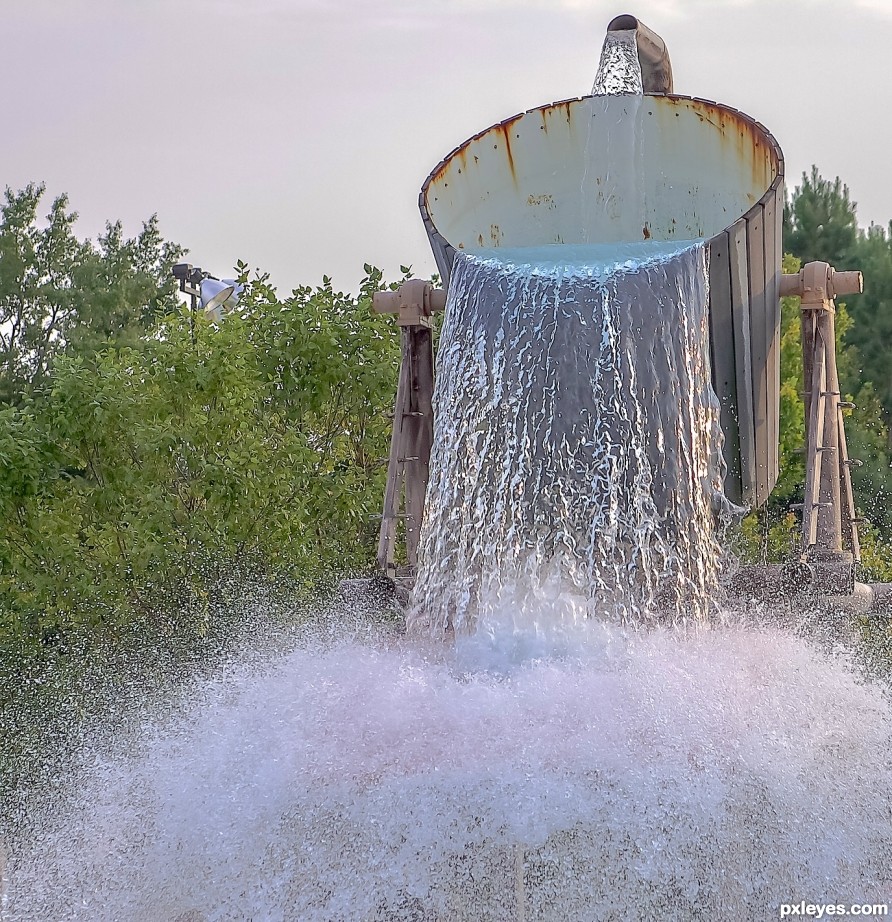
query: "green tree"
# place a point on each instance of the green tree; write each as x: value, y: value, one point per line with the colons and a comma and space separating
x: 867, y: 435
x: 59, y: 294
x: 872, y: 313
x: 150, y: 472
x: 820, y: 221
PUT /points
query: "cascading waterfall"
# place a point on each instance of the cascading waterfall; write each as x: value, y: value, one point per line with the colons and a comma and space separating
x: 576, y: 470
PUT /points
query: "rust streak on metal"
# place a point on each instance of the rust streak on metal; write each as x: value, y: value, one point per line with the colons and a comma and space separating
x: 750, y: 141
x: 505, y: 129
x: 441, y: 171
x: 558, y: 109
x: 745, y: 139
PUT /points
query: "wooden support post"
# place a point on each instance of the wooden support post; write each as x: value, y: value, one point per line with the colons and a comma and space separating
x: 829, y: 529
x: 815, y: 388
x: 408, y: 469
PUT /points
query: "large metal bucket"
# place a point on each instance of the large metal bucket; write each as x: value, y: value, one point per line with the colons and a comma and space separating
x: 626, y: 168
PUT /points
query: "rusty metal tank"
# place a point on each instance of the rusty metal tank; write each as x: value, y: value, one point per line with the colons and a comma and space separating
x: 605, y: 169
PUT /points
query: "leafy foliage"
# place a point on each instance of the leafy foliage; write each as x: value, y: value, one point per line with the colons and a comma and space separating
x: 822, y: 225
x: 152, y: 469
x: 871, y: 333
x: 61, y: 295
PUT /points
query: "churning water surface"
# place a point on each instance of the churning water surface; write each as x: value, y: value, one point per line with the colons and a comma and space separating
x: 673, y: 774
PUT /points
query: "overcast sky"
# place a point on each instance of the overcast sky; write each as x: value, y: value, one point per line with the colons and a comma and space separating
x: 295, y: 134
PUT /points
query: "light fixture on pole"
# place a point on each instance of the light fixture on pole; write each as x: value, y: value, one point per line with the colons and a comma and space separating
x: 216, y: 296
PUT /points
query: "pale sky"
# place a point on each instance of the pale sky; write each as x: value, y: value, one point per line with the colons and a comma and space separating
x: 296, y: 134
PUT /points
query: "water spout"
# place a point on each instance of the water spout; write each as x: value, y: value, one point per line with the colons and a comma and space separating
x: 653, y: 56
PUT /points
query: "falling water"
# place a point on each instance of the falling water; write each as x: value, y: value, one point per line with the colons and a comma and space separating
x: 576, y: 470
x: 619, y: 70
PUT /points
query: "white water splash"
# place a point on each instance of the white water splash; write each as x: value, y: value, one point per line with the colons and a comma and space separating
x: 661, y: 775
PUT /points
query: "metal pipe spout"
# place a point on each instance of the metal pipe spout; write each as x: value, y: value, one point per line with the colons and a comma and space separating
x: 656, y: 69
